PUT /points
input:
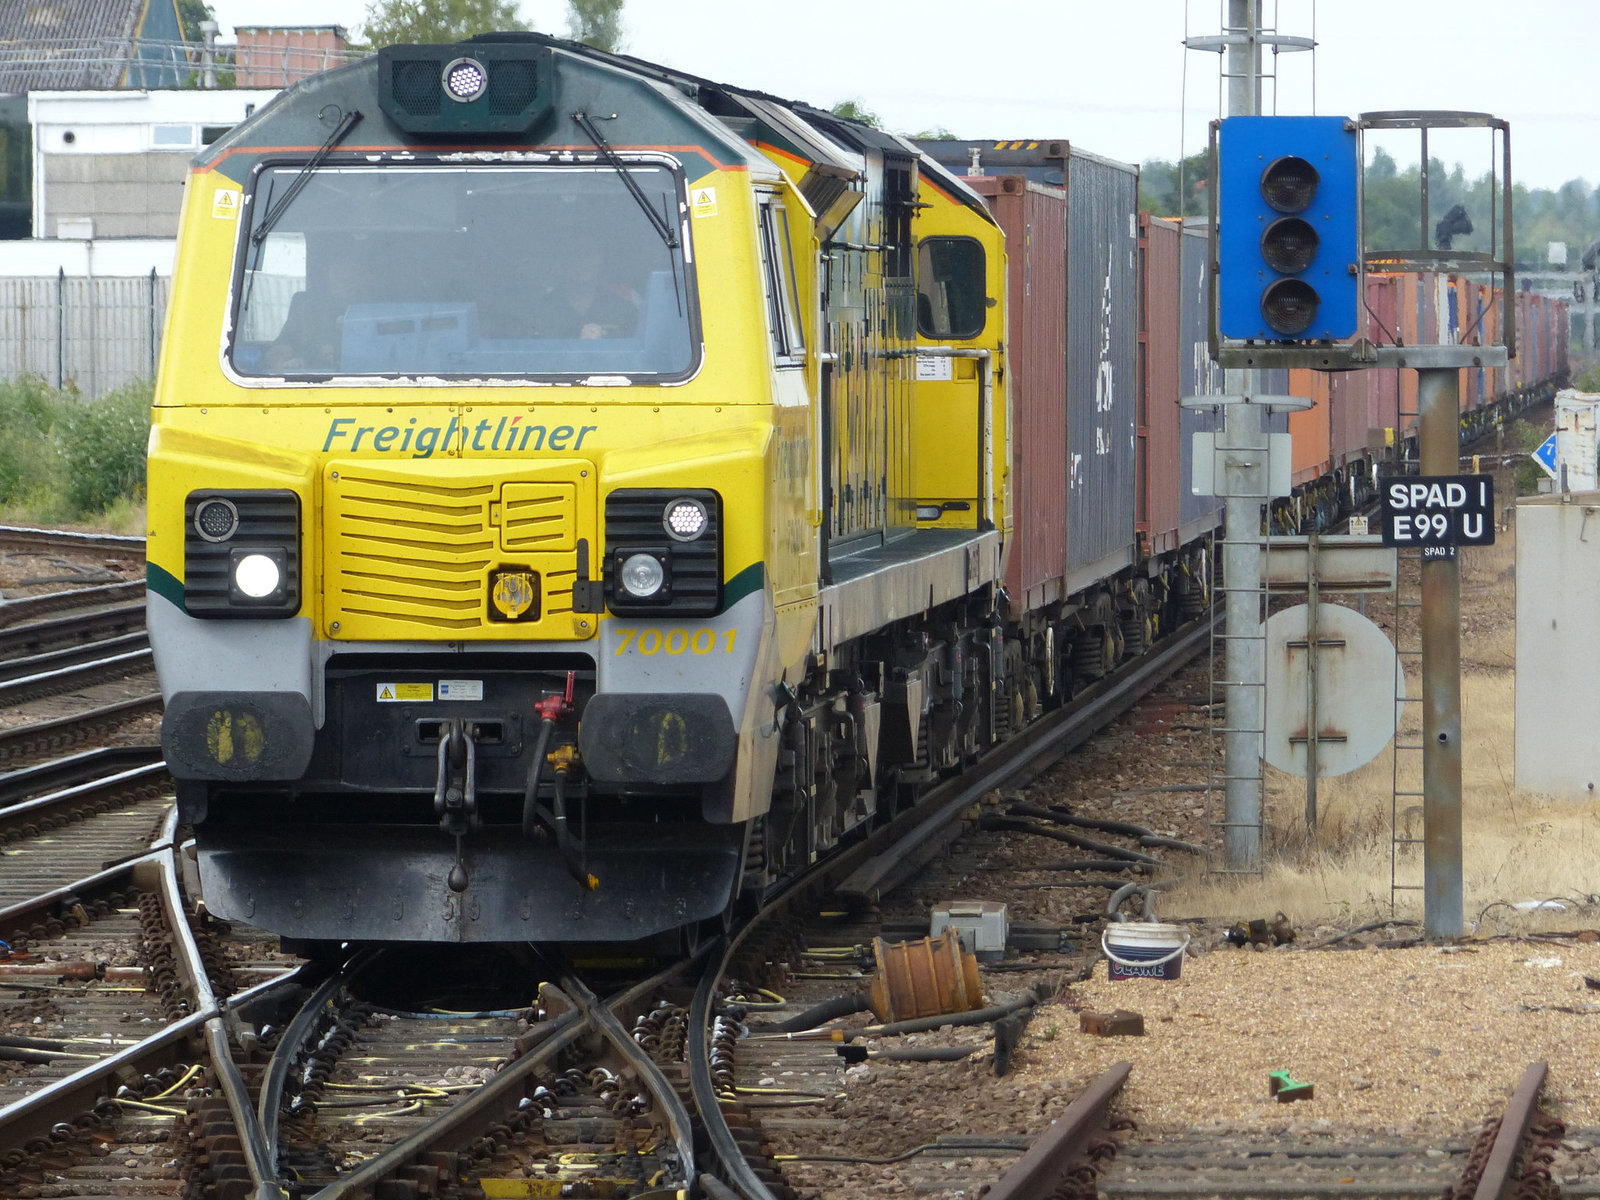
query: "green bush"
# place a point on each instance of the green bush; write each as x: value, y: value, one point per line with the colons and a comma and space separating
x: 102, y: 449
x: 29, y: 410
x: 67, y: 458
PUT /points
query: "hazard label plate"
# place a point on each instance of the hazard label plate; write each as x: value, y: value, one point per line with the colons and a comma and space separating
x: 390, y: 693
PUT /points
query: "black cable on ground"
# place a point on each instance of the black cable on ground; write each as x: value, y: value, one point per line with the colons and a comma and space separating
x: 1018, y: 825
x: 819, y: 1014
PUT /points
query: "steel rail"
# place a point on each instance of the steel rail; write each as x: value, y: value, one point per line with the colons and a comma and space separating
x: 62, y: 774
x: 36, y: 1114
x: 24, y: 817
x: 64, y: 658
x: 60, y: 731
x: 30, y: 608
x: 1496, y: 1183
x: 32, y: 538
x: 81, y: 630
x: 66, y: 679
x: 488, y: 1105
x: 295, y: 1040
x: 667, y: 1099
x: 1040, y: 1170
x: 734, y: 1167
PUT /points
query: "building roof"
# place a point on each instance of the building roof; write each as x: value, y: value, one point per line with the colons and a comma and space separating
x: 66, y: 44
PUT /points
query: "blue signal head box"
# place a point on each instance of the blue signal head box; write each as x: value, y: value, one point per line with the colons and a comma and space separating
x: 1288, y: 229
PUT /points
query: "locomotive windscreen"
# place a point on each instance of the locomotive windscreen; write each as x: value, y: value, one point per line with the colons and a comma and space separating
x: 442, y: 269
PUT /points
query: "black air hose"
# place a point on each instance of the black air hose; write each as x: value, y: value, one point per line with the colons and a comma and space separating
x: 565, y: 842
x: 531, y: 809
x: 839, y: 1006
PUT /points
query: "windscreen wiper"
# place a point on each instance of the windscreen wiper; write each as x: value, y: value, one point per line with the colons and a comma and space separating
x: 272, y: 216
x: 586, y: 123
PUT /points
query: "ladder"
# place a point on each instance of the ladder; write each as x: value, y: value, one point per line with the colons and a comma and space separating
x: 1406, y: 798
x: 1228, y: 719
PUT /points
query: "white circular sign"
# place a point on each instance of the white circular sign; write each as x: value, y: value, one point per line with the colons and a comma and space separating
x: 1359, y: 680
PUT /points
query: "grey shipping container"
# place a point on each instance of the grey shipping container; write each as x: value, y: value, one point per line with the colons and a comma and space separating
x: 1102, y: 212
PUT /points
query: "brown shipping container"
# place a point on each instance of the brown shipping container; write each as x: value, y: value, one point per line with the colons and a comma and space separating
x: 1309, y: 427
x: 1349, y: 416
x: 1033, y: 218
x: 1384, y: 294
x: 1161, y: 454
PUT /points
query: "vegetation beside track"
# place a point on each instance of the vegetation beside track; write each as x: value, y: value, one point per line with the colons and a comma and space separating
x: 68, y: 459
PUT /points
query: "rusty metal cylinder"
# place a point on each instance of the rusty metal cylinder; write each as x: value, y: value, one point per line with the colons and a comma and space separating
x: 927, y: 978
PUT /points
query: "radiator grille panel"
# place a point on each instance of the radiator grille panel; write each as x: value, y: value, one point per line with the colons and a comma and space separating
x: 409, y: 551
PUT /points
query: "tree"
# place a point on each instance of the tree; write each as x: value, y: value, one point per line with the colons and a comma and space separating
x: 854, y: 110
x: 394, y: 21
x: 190, y: 14
x: 1160, y: 182
x: 596, y: 23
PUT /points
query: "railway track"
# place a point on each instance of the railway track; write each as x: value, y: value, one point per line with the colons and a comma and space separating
x: 21, y: 537
x: 358, y: 1082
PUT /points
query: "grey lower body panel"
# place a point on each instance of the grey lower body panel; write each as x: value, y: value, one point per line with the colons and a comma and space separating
x: 349, y: 883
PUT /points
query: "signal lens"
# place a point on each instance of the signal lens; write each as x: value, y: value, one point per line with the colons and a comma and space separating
x: 1289, y: 306
x: 1289, y: 183
x: 1289, y: 245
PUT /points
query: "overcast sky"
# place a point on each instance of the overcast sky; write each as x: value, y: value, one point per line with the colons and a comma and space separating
x: 1113, y: 77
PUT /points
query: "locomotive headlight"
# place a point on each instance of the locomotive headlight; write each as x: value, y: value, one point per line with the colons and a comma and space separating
x: 642, y: 576
x: 663, y: 552
x: 241, y: 554
x: 685, y: 519
x: 257, y: 575
x: 216, y: 519
x: 465, y: 80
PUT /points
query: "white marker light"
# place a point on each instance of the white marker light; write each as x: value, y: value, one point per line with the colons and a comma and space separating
x: 257, y: 576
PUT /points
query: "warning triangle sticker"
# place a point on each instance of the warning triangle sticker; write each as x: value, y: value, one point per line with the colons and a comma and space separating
x: 386, y: 692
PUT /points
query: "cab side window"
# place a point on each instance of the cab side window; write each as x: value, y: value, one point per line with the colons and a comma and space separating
x: 783, y: 299
x: 952, y: 297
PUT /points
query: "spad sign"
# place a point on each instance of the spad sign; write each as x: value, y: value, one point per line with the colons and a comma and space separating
x: 1435, y: 511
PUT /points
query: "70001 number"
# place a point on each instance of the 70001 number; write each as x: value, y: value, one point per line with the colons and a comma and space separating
x: 676, y: 641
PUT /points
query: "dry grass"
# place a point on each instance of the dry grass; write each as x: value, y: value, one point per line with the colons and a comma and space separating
x: 1516, y: 846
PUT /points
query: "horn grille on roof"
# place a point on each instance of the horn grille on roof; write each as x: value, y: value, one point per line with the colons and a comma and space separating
x: 412, y: 83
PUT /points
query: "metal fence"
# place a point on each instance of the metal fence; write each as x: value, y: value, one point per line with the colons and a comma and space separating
x: 96, y: 333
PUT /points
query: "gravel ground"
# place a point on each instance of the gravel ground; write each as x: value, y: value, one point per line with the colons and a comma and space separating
x: 1426, y: 1039
x: 1414, y: 1041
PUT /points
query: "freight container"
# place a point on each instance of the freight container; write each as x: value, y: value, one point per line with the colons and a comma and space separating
x: 1160, y: 461
x: 1074, y: 255
x: 1198, y: 375
x: 1033, y: 219
x: 1102, y: 213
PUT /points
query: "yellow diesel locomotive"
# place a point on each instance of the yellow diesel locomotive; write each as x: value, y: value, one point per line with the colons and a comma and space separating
x: 578, y: 496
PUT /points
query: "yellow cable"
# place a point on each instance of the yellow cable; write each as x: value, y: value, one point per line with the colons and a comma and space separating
x: 187, y: 1075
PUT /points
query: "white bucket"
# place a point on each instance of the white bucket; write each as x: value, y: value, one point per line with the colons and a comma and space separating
x: 1144, y: 949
